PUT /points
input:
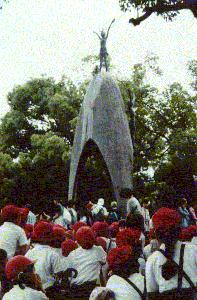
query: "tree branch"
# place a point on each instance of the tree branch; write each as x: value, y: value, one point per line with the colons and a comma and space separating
x: 164, y: 8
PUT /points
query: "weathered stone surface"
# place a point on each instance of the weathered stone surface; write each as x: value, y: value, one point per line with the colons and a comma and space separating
x: 103, y: 119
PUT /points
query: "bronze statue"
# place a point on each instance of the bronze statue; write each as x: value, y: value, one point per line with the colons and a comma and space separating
x: 103, y: 50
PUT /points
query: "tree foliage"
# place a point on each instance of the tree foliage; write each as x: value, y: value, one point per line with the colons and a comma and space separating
x: 169, y: 9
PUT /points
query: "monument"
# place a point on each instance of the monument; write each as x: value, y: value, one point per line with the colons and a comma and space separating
x: 102, y: 122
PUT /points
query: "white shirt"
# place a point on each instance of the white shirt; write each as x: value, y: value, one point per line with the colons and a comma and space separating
x: 11, y: 236
x: 146, y: 215
x: 86, y: 262
x: 194, y: 240
x: 47, y: 263
x: 123, y: 290
x: 31, y: 219
x: 133, y: 205
x: 154, y: 280
x: 150, y: 248
x: 16, y: 293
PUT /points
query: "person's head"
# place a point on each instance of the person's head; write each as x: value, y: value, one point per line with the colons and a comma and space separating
x: 3, y: 261
x: 20, y: 270
x: 166, y: 222
x: 101, y: 201
x: 130, y: 237
x: 103, y: 34
x: 56, y: 201
x: 59, y: 235
x: 135, y: 221
x: 100, y: 229
x: 122, y: 261
x: 11, y: 213
x: 183, y: 202
x: 146, y: 203
x: 43, y: 233
x: 71, y: 204
x: 85, y: 237
x: 68, y: 246
x: 76, y: 226
x: 102, y: 293
x: 113, y: 229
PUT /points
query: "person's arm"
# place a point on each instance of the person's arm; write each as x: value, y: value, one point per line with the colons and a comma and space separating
x: 97, y: 35
x: 109, y: 28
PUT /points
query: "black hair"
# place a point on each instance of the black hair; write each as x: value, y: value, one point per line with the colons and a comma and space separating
x: 3, y: 255
x: 135, y: 221
x: 125, y: 270
x: 169, y: 268
x: 23, y: 280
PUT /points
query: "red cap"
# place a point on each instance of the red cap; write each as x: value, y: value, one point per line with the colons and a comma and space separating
x: 100, y: 241
x: 28, y: 230
x: 24, y: 214
x: 188, y: 233
x: 85, y: 237
x: 17, y: 265
x: 100, y: 229
x: 128, y: 237
x: 78, y: 225
x: 43, y: 231
x: 68, y: 246
x: 165, y: 219
x: 119, y: 256
x: 113, y: 229
x: 59, y: 233
x: 10, y: 212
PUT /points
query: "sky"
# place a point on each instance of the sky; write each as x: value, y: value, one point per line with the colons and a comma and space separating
x: 51, y: 37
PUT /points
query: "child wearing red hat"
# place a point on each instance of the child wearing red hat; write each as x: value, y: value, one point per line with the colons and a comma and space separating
x: 126, y: 282
x: 68, y: 246
x: 87, y: 260
x: 171, y: 272
x: 26, y: 283
x: 12, y: 236
x: 59, y: 236
x: 47, y: 261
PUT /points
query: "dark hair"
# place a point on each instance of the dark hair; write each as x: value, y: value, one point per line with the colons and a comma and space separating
x: 23, y: 280
x: 125, y: 270
x: 3, y: 255
x: 169, y: 268
x: 135, y: 221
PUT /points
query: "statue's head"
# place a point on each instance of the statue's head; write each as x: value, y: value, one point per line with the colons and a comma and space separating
x: 103, y: 34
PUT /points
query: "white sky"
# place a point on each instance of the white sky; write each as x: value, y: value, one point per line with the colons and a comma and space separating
x: 52, y: 36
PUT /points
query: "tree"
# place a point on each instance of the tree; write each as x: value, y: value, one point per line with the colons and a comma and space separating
x: 166, y: 8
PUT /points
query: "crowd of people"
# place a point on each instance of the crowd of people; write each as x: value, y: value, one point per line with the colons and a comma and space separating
x: 97, y: 254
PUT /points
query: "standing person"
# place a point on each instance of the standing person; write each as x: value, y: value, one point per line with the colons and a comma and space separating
x: 113, y: 213
x: 146, y: 215
x: 185, y: 215
x: 171, y: 272
x: 72, y: 211
x: 12, y: 237
x: 26, y: 283
x: 62, y: 215
x: 126, y: 282
x: 31, y: 219
x: 99, y: 212
x: 193, y: 214
x: 133, y: 205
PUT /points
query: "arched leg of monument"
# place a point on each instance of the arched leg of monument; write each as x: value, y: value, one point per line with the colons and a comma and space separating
x: 92, y: 178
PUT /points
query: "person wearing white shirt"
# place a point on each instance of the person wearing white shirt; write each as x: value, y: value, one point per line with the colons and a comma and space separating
x: 171, y: 272
x: 46, y: 260
x: 12, y: 237
x: 26, y: 283
x: 87, y: 260
x: 146, y: 215
x: 125, y: 281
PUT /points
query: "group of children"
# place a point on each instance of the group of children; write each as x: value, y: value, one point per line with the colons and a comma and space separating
x: 102, y: 261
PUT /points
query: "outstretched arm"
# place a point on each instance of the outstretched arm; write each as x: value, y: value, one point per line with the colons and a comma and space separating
x: 110, y: 27
x: 97, y: 35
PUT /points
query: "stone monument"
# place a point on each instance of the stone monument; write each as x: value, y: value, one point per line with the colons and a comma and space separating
x: 103, y: 121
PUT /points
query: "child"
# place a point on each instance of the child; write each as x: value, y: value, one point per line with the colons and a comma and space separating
x: 26, y: 283
x: 12, y: 236
x: 125, y: 282
x: 171, y: 272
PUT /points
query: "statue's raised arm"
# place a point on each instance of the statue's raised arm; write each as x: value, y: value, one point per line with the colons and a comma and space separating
x: 97, y: 35
x: 109, y: 27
